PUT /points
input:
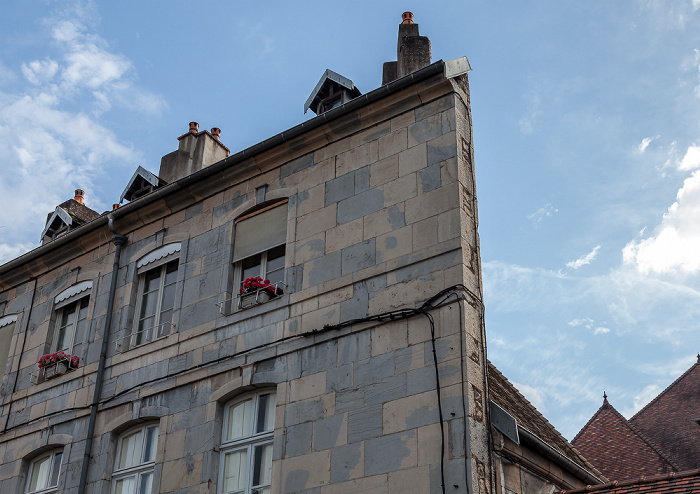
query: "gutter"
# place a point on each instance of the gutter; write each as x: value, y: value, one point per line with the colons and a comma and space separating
x: 119, y: 241
x: 533, y: 442
x: 352, y: 105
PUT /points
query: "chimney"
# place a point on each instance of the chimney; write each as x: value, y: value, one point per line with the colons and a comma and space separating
x: 412, y: 51
x: 79, y: 196
x: 115, y: 206
x: 196, y: 150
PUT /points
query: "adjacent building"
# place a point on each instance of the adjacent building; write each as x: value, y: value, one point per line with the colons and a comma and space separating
x: 302, y: 316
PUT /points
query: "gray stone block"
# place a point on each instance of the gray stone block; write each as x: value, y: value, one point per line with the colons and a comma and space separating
x: 325, y: 268
x: 319, y: 357
x: 359, y: 256
x: 421, y: 380
x: 203, y: 245
x: 354, y: 347
x: 374, y: 369
x: 298, y: 440
x: 430, y: 178
x: 362, y: 179
x: 229, y: 205
x: 385, y: 454
x: 326, y: 432
x: 303, y: 411
x: 338, y: 379
x: 340, y: 188
x: 392, y: 388
x: 352, y: 399
x: 364, y: 423
x: 343, y: 460
x: 297, y: 165
x: 197, y: 314
x: 295, y: 481
x: 436, y: 153
x: 194, y: 210
x: 360, y: 205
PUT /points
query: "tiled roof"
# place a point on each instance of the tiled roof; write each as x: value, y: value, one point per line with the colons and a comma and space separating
x: 617, y: 449
x: 78, y: 211
x: 509, y: 398
x: 670, y: 420
x: 673, y: 483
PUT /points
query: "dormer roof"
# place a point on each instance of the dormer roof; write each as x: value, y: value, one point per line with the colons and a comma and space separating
x: 67, y: 216
x: 141, y: 183
x: 330, y: 84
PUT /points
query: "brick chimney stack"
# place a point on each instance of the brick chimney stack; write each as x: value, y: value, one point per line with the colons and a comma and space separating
x: 79, y: 194
x: 412, y: 51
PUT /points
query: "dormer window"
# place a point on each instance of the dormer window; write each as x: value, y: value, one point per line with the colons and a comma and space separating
x: 332, y: 91
x: 142, y: 182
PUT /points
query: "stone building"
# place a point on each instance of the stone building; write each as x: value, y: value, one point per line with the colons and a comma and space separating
x: 360, y: 367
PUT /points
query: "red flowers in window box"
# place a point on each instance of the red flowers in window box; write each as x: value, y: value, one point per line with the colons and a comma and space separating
x: 251, y: 285
x: 72, y: 361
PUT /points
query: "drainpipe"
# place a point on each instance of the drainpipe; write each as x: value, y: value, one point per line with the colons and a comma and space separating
x: 119, y: 241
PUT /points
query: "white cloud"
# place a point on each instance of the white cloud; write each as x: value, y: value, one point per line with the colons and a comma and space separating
x: 601, y: 330
x: 645, y: 143
x: 691, y: 160
x: 586, y: 259
x: 585, y: 322
x: 642, y: 399
x: 675, y: 245
x: 39, y: 71
x: 534, y: 395
x: 544, y: 212
x: 696, y: 5
x: 58, y: 144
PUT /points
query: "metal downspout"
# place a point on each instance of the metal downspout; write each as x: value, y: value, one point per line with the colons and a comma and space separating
x: 119, y: 241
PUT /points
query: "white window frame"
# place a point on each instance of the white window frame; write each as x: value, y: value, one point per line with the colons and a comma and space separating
x: 143, y: 467
x: 76, y: 305
x: 7, y: 326
x: 161, y: 266
x: 247, y: 442
x: 46, y: 477
x: 238, y: 267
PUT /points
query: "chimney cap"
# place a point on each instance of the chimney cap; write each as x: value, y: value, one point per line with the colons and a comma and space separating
x: 407, y: 18
x: 79, y: 194
x: 216, y: 132
x: 194, y: 127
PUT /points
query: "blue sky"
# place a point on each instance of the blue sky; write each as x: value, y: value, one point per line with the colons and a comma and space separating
x: 587, y: 146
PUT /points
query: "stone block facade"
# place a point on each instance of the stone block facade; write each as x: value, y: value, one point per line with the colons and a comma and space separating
x: 381, y: 218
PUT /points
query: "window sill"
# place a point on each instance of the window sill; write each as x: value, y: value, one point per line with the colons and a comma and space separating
x: 52, y: 371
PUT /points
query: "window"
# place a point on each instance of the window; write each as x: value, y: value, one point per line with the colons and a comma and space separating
x: 156, y: 294
x: 44, y: 472
x: 259, y: 247
x: 133, y: 466
x: 70, y: 327
x: 246, y: 450
x: 7, y: 325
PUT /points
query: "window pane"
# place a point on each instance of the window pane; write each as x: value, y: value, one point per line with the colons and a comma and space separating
x: 266, y: 413
x: 82, y: 313
x: 234, y: 471
x: 262, y: 464
x: 152, y: 281
x: 40, y: 474
x: 56, y: 470
x: 145, y: 483
x: 130, y: 452
x: 5, y: 341
x: 239, y: 420
x: 250, y: 268
x: 168, y: 298
x: 148, y: 304
x: 151, y: 443
x: 171, y: 272
x: 124, y: 486
x: 144, y: 336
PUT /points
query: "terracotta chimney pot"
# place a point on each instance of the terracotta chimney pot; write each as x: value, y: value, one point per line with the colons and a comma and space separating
x: 215, y: 132
x: 79, y: 195
x: 194, y: 127
x: 115, y: 206
x: 407, y: 18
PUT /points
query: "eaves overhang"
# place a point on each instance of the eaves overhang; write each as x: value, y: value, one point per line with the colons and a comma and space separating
x: 216, y: 168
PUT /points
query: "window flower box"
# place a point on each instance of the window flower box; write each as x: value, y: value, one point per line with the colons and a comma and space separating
x: 257, y: 291
x: 56, y: 364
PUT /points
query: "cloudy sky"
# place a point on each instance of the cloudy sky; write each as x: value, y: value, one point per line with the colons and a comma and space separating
x: 587, y: 135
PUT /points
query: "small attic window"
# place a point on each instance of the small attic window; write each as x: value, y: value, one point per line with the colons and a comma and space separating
x: 332, y: 91
x: 142, y: 182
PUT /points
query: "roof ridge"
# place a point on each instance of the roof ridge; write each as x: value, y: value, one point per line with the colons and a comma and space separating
x: 582, y: 459
x: 642, y: 480
x: 657, y: 397
x: 657, y: 449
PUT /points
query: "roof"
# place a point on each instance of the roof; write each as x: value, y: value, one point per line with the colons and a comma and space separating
x: 509, y: 398
x: 670, y: 419
x: 329, y: 75
x: 141, y: 179
x: 71, y: 213
x: 617, y: 449
x: 677, y: 483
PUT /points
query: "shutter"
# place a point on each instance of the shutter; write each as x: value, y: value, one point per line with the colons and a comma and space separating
x: 260, y: 232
